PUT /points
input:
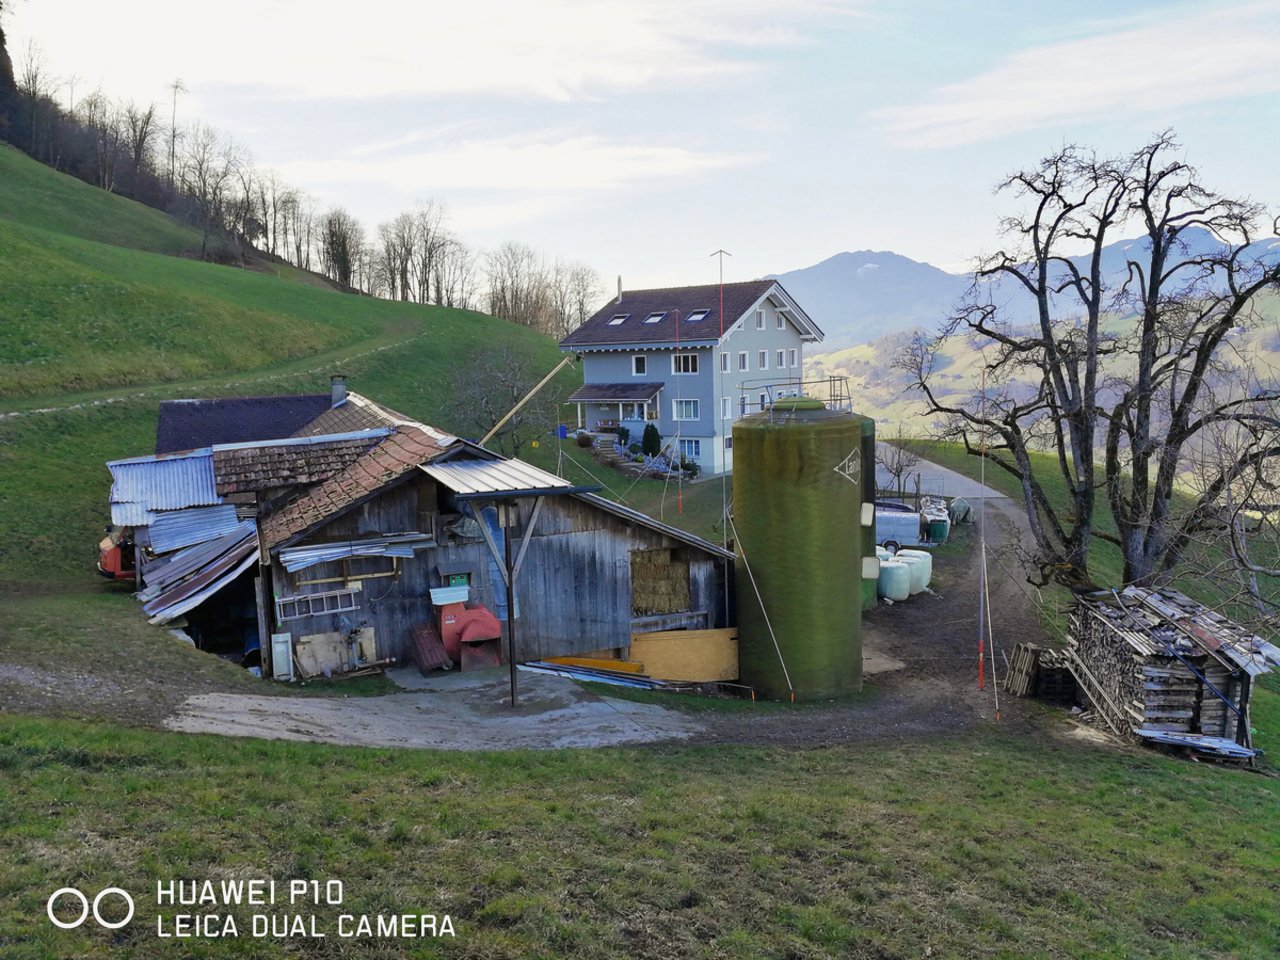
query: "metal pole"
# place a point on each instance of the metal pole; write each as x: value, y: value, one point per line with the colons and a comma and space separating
x: 511, y: 610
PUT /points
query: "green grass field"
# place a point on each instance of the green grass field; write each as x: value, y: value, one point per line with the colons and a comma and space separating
x: 997, y: 843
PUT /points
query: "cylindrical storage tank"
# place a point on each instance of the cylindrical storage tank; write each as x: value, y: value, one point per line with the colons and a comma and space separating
x: 797, y: 498
x: 915, y: 566
x: 884, y: 554
x: 895, y: 580
x: 926, y: 558
x: 868, y: 444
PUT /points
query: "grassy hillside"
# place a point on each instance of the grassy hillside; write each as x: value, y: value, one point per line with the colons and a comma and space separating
x: 34, y: 195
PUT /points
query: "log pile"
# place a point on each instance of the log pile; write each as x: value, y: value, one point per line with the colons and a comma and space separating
x: 1040, y: 672
x: 1156, y: 662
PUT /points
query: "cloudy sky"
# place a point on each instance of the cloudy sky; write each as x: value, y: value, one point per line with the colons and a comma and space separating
x: 640, y: 135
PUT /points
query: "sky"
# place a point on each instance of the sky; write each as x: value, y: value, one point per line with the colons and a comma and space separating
x: 639, y: 136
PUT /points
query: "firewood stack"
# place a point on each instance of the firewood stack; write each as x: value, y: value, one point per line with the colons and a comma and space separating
x: 1157, y: 662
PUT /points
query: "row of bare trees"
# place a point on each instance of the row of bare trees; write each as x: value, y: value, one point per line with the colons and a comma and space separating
x: 207, y: 178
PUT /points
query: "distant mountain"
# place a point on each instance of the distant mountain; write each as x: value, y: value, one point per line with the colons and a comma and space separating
x: 862, y: 296
x: 859, y: 297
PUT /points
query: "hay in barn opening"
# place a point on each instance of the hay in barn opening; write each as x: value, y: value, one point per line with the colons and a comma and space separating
x: 659, y: 582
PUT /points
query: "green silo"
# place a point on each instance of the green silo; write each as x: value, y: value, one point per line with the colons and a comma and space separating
x: 868, y: 426
x: 797, y: 496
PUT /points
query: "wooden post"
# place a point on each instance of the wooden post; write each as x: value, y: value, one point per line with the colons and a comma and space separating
x: 264, y: 635
x: 511, y: 612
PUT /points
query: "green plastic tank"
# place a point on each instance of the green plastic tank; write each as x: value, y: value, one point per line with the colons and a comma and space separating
x: 797, y: 475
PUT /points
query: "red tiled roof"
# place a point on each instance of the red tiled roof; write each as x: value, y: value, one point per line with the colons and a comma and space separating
x: 395, y: 456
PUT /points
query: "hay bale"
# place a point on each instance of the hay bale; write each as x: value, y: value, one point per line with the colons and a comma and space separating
x: 659, y: 582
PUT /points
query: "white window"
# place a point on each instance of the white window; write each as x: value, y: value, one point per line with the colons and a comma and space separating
x: 764, y: 400
x: 684, y: 363
x: 655, y: 316
x: 697, y: 315
x: 742, y: 361
x: 728, y: 443
x: 315, y: 604
x: 684, y: 409
x: 791, y: 357
x: 726, y: 409
x: 724, y: 362
x: 639, y: 365
x: 690, y: 449
x: 759, y: 319
x: 618, y: 318
x: 742, y: 405
x: 782, y: 323
x: 782, y: 359
x: 763, y: 358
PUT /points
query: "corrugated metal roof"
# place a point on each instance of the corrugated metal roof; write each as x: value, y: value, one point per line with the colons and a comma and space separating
x: 470, y: 477
x: 162, y: 574
x: 393, y: 545
x: 141, y: 486
x: 175, y: 529
x: 192, y: 592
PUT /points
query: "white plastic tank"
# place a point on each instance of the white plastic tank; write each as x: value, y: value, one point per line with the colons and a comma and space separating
x: 926, y: 558
x: 895, y: 580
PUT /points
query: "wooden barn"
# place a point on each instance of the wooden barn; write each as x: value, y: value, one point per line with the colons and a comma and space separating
x: 333, y: 548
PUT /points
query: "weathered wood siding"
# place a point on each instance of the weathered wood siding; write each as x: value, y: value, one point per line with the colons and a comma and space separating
x: 573, y: 592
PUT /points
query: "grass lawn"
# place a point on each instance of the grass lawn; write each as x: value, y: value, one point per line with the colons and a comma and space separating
x: 988, y: 846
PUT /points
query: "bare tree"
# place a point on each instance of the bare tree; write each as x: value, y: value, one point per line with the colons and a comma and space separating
x: 518, y: 285
x: 176, y: 87
x: 208, y: 168
x: 572, y: 289
x: 139, y: 135
x: 1110, y: 372
x: 341, y: 246
x: 485, y: 388
x: 899, y: 455
x: 105, y: 123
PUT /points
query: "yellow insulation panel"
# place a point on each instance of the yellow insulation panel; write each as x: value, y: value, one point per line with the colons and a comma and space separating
x: 694, y: 655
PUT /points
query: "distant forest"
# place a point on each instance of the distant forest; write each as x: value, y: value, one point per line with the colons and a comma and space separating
x: 203, y: 177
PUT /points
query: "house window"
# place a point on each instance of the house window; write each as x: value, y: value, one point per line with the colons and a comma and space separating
x: 782, y: 323
x: 764, y: 359
x: 764, y: 400
x: 697, y: 315
x: 782, y: 359
x: 724, y: 363
x: 618, y: 319
x: 759, y: 319
x: 684, y: 409
x: 726, y: 409
x: 315, y: 604
x: 791, y: 357
x: 690, y: 449
x: 728, y: 443
x: 655, y: 316
x: 743, y: 366
x: 639, y: 364
x: 684, y: 363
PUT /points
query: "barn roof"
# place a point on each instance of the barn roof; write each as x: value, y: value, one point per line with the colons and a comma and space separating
x: 188, y: 424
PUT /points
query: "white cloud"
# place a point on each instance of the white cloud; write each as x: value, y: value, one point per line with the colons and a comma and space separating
x: 550, y: 49
x: 1133, y: 71
x: 580, y: 163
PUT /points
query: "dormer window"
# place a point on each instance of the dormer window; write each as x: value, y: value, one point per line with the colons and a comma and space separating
x: 655, y: 316
x: 618, y: 319
x: 696, y: 316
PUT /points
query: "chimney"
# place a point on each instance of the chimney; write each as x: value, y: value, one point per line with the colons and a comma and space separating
x: 619, y: 288
x: 337, y: 390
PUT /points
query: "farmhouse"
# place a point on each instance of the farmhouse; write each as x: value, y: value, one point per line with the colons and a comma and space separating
x: 671, y: 358
x: 344, y: 541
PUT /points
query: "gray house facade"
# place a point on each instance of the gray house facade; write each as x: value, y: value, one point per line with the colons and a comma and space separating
x: 671, y: 358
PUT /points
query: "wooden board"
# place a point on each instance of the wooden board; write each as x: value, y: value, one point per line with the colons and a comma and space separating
x: 696, y: 655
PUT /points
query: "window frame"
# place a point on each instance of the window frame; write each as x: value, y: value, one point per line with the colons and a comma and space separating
x: 724, y: 361
x: 644, y: 361
x: 693, y: 362
x: 762, y: 358
x: 696, y: 448
x: 760, y: 324
x: 675, y: 410
x: 791, y: 357
x: 744, y: 361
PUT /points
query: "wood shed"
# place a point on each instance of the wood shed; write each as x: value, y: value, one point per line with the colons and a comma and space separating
x: 1159, y: 665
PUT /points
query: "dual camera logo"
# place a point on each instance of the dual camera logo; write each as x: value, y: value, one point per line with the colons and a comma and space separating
x: 85, y: 908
